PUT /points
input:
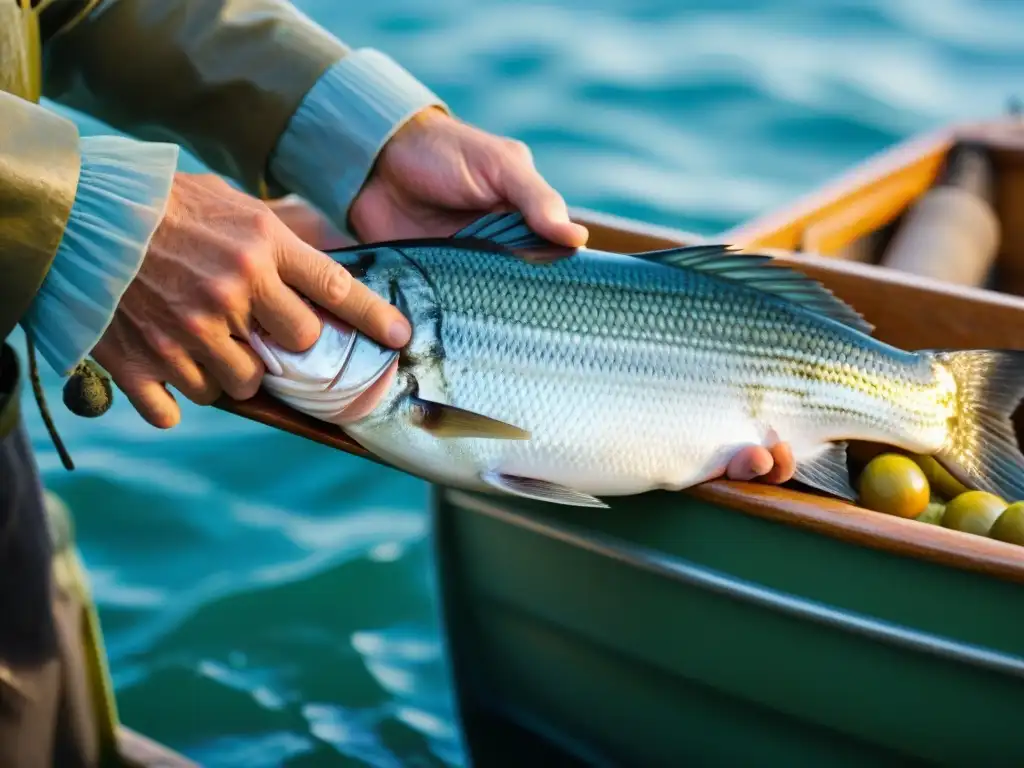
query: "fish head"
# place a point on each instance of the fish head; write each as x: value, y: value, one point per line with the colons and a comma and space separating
x: 329, y: 379
x: 345, y: 374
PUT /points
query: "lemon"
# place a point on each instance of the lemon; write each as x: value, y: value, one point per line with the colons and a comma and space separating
x: 1010, y: 525
x: 894, y: 484
x: 973, y: 512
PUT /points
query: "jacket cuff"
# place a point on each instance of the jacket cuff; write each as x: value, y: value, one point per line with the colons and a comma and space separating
x: 332, y: 141
x: 123, y: 188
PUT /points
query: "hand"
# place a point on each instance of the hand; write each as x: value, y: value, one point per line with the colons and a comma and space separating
x: 774, y: 465
x: 219, y: 262
x: 438, y: 174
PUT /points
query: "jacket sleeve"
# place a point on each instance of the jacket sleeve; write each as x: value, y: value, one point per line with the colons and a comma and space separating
x: 219, y: 77
x: 39, y: 168
x: 331, y: 143
x: 123, y: 189
x: 253, y: 88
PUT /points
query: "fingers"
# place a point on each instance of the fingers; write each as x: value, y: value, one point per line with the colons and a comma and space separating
x: 774, y: 465
x: 132, y: 370
x: 543, y: 208
x: 152, y: 400
x: 750, y: 462
x: 181, y: 370
x: 286, y: 318
x: 785, y: 465
x: 327, y: 283
x: 236, y: 367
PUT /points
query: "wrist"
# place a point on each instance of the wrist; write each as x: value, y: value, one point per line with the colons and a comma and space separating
x: 337, y: 135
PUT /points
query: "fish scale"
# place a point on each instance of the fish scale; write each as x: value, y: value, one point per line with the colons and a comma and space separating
x: 604, y: 374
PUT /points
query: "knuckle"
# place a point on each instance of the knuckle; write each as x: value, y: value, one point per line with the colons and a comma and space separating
x: 163, y: 345
x: 248, y: 386
x: 207, y: 394
x: 249, y: 261
x: 306, y: 334
x: 336, y: 282
x: 264, y: 222
x: 519, y: 149
x: 196, y: 325
x: 223, y: 294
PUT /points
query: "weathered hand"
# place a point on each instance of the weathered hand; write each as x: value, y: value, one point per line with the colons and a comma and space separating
x: 438, y: 174
x: 219, y: 263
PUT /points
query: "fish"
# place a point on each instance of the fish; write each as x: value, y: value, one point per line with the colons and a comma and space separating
x: 575, y: 375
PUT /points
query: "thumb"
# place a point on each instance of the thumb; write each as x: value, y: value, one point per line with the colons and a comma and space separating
x: 542, y: 207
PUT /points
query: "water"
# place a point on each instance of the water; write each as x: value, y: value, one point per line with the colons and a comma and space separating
x: 268, y: 601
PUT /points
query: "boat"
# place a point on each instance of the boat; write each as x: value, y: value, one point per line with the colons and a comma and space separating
x: 742, y: 623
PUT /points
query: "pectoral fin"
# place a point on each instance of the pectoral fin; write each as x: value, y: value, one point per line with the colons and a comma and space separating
x: 448, y: 421
x: 828, y: 472
x: 541, y: 490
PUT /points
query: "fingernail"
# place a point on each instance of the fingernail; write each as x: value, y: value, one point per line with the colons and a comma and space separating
x: 398, y: 334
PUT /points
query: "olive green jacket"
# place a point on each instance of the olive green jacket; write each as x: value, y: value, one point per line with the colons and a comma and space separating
x: 220, y: 77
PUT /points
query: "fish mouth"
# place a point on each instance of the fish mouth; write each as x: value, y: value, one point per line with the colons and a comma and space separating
x: 328, y: 377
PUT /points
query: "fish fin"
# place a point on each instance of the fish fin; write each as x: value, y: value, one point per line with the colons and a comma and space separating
x: 828, y: 472
x: 541, y: 490
x: 448, y: 421
x: 762, y: 272
x: 510, y: 232
x: 982, y: 450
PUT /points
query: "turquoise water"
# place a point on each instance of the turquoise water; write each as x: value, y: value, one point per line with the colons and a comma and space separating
x: 271, y: 602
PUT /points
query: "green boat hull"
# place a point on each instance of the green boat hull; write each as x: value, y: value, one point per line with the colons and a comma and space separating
x: 670, y: 631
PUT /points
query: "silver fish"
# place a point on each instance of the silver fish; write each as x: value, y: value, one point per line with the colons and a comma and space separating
x: 603, y: 375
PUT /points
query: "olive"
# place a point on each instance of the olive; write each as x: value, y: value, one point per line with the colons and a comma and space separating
x: 973, y: 512
x: 939, y: 478
x: 893, y: 484
x: 933, y: 512
x: 1010, y: 525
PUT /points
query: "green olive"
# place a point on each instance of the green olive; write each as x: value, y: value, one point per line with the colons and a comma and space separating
x: 1010, y: 525
x: 933, y: 512
x: 973, y: 512
x: 939, y: 478
x: 893, y: 484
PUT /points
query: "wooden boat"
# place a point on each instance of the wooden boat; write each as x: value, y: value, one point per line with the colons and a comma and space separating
x: 737, y: 623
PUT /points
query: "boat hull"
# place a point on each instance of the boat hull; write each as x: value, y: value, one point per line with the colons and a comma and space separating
x: 670, y: 630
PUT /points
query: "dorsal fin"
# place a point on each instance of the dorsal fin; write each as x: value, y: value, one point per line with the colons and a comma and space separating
x: 503, y: 232
x: 510, y: 232
x: 506, y: 229
x: 763, y: 273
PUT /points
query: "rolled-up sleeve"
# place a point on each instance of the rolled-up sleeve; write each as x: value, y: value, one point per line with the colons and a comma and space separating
x: 332, y: 141
x: 123, y: 188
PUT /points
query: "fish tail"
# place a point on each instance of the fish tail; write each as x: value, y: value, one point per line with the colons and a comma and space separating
x: 981, y: 449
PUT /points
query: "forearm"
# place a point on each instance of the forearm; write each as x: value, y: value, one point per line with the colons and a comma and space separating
x: 39, y: 169
x: 220, y: 77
